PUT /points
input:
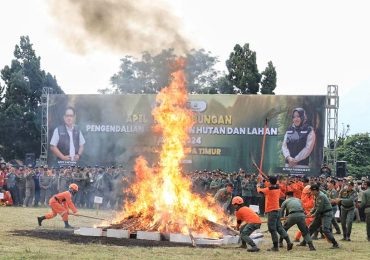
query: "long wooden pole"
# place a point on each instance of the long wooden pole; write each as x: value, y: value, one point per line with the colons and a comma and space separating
x: 263, y: 148
x: 262, y: 173
x: 84, y: 216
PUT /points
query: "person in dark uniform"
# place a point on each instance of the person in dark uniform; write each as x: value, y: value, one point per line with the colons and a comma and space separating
x: 224, y: 195
x: 365, y: 203
x: 67, y: 142
x: 296, y: 216
x: 323, y: 214
x: 299, y: 140
x: 333, y: 195
x: 325, y: 170
x: 347, y: 200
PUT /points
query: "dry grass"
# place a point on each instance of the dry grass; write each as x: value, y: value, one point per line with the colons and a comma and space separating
x: 25, y: 247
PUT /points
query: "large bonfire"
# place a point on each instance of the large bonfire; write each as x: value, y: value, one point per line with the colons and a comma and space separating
x: 162, y: 197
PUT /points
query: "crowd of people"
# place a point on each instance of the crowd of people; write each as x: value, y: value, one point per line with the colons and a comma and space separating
x: 33, y: 186
x: 245, y: 185
x: 311, y: 203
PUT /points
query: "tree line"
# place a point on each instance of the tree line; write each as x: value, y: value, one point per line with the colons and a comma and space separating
x: 149, y: 73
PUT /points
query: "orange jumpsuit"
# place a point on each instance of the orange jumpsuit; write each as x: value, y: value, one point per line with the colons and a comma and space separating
x: 296, y: 188
x: 247, y: 215
x: 7, y: 201
x: 271, y: 199
x: 299, y: 189
x: 308, y: 203
x: 60, y: 204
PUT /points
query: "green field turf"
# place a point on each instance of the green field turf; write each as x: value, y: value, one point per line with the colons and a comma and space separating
x: 15, y: 221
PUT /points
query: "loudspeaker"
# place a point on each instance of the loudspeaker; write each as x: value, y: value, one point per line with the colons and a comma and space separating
x: 29, y: 159
x: 341, y: 169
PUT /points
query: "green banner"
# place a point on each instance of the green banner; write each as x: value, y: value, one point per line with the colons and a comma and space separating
x: 228, y: 131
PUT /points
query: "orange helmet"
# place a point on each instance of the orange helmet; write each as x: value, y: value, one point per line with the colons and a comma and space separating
x: 73, y: 186
x: 237, y: 200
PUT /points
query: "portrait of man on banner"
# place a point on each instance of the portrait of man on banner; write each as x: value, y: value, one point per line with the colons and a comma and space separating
x: 67, y: 141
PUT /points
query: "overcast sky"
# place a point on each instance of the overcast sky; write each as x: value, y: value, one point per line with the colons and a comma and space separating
x: 311, y: 43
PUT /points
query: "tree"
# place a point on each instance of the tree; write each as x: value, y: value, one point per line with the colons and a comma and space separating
x: 356, y: 151
x: 268, y: 79
x: 151, y: 73
x: 242, y: 70
x: 20, y: 112
x: 224, y: 86
x: 200, y: 73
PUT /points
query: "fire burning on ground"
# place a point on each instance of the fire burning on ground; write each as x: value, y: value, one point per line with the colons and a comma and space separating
x: 163, y: 200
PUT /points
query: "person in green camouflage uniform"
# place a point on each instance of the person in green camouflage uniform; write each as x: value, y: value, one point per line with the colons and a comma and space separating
x: 296, y: 216
x: 333, y: 195
x: 347, y: 200
x: 247, y: 189
x: 365, y: 203
x: 215, y: 185
x: 323, y: 214
x: 223, y: 196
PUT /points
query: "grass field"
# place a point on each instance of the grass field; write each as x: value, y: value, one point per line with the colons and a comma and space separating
x: 14, y: 222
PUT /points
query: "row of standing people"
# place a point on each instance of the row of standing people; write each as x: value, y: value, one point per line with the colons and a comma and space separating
x: 312, y: 211
x: 30, y: 186
x: 244, y: 185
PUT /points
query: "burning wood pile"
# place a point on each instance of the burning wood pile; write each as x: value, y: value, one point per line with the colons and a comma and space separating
x: 163, y: 200
x: 134, y: 224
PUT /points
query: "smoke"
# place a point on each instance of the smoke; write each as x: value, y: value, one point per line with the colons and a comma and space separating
x: 125, y: 26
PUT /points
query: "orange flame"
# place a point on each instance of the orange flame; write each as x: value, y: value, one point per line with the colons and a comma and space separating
x: 163, y: 200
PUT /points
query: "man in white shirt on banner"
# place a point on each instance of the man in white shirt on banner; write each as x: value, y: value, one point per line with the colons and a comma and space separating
x: 67, y: 142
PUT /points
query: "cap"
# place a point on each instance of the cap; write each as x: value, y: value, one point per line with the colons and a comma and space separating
x: 315, y: 186
x: 289, y: 193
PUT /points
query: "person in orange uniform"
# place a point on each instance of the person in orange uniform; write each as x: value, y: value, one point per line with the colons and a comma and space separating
x: 308, y: 203
x: 296, y: 187
x: 247, y: 222
x: 7, y: 200
x: 60, y: 204
x: 272, y: 194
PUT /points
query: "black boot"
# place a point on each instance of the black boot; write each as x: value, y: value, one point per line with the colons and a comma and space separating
x: 289, y: 244
x: 244, y: 244
x: 303, y: 243
x: 40, y: 219
x: 275, y: 248
x: 66, y: 224
x: 254, y: 247
x: 335, y: 246
x: 311, y: 247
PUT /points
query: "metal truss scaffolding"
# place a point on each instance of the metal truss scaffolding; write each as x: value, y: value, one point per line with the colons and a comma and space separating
x: 44, y: 123
x: 332, y: 106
